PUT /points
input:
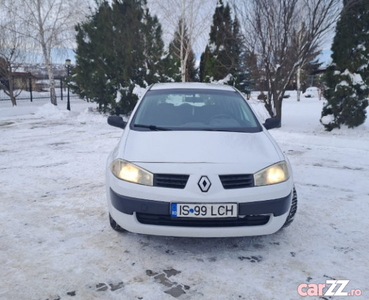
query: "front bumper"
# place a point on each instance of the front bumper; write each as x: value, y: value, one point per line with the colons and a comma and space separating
x: 129, y: 205
x: 146, y: 209
x: 153, y: 217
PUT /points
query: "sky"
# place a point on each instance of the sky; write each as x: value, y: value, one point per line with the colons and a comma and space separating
x: 169, y: 24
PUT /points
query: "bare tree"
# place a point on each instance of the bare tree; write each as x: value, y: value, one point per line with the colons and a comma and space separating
x: 7, y: 69
x: 11, y: 56
x: 284, y: 34
x: 195, y: 20
x: 48, y: 25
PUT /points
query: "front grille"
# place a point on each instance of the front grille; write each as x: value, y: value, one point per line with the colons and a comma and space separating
x: 191, y: 222
x: 174, y: 181
x: 237, y: 181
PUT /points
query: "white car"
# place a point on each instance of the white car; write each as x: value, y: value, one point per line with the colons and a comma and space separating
x: 194, y: 161
x: 312, y: 92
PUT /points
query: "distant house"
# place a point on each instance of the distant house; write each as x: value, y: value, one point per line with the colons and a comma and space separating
x: 24, y: 81
x: 315, y: 77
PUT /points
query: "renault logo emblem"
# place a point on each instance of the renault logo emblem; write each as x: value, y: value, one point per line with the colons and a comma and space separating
x: 204, y: 184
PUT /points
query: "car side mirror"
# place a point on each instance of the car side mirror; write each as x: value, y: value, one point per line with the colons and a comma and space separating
x: 272, y: 123
x: 116, y: 121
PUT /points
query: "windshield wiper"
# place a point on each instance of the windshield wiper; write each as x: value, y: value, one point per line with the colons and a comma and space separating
x: 222, y: 129
x: 151, y: 127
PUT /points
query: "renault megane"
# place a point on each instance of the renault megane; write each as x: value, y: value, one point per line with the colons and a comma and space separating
x: 194, y: 161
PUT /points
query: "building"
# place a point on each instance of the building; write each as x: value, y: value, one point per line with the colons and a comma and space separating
x: 24, y: 81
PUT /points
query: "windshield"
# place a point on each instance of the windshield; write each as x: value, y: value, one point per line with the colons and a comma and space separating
x: 186, y: 109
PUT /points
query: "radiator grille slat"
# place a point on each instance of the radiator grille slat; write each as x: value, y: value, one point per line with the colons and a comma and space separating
x: 174, y: 181
x: 237, y: 181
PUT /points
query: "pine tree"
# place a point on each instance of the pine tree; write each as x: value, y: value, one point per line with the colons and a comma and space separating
x: 205, y: 56
x: 90, y: 75
x: 173, y: 60
x: 244, y: 80
x: 242, y: 61
x: 118, y: 47
x: 172, y: 67
x: 191, y: 70
x: 222, y: 54
x: 347, y: 79
x: 153, y: 49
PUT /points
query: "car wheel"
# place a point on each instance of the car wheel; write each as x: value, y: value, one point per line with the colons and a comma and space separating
x: 293, y: 210
x: 114, y: 225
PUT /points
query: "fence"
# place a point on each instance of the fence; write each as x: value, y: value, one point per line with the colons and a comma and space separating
x: 61, y: 94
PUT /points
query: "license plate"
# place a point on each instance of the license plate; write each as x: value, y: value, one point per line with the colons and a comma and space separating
x: 188, y: 210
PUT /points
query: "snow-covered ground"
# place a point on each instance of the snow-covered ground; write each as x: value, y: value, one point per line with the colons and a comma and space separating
x: 56, y: 241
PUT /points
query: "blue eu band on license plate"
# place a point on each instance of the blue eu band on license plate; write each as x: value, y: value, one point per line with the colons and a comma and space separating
x: 194, y: 210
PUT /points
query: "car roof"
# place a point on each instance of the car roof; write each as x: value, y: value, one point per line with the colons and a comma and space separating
x: 191, y: 85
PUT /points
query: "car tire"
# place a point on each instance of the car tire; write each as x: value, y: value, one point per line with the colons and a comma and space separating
x: 293, y: 210
x: 114, y: 225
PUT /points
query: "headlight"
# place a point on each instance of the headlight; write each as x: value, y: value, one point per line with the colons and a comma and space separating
x: 274, y: 174
x: 129, y: 172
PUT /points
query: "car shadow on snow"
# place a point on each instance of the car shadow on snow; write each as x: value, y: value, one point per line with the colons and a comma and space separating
x: 172, y: 257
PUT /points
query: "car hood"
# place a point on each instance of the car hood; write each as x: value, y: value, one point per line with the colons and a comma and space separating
x: 199, y: 147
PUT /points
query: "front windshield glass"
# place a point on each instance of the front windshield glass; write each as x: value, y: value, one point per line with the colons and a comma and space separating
x: 185, y: 109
